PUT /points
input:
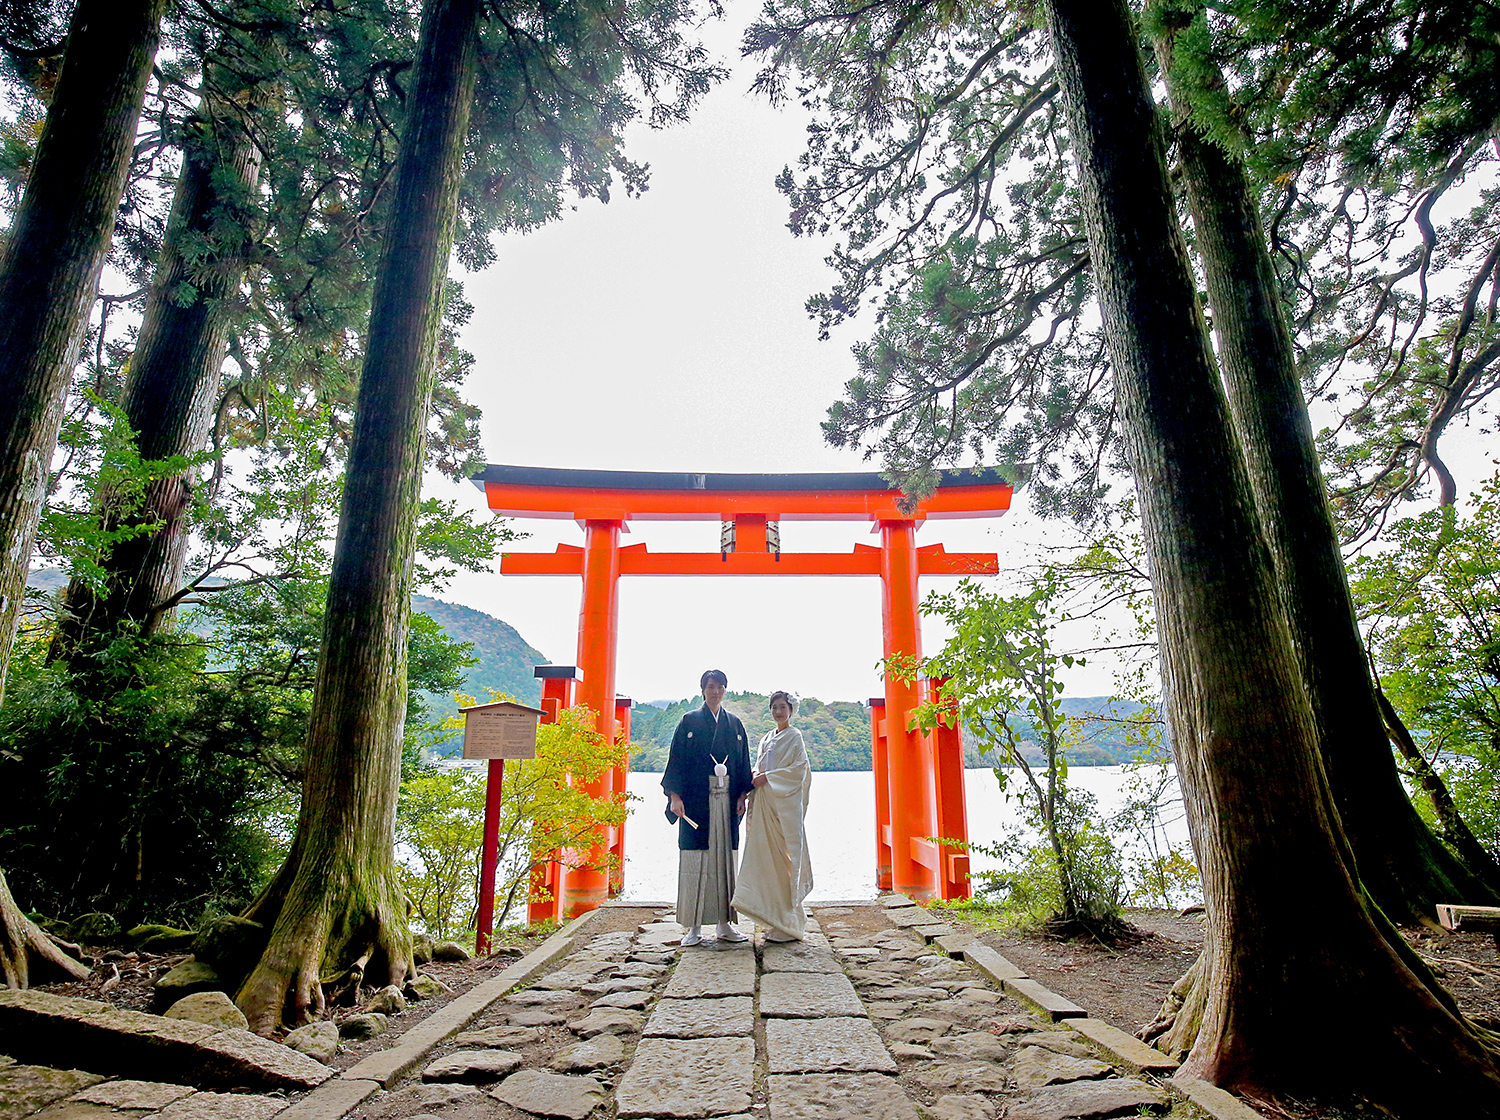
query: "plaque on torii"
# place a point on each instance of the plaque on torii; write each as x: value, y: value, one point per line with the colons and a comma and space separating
x: 917, y: 797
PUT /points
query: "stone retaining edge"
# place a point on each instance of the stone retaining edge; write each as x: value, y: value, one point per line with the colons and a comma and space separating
x: 1215, y: 1102
x: 1002, y: 972
x: 331, y: 1100
x: 390, y: 1065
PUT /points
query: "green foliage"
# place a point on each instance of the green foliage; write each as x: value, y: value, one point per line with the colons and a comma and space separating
x: 1433, y: 604
x: 440, y: 822
x: 837, y: 734
x: 1000, y: 670
x: 163, y: 776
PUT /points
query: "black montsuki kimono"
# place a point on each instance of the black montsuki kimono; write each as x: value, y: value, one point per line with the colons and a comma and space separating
x: 697, y: 744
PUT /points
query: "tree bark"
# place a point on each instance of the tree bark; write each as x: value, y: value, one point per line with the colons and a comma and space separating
x: 174, y: 377
x: 53, y: 254
x: 26, y: 952
x: 336, y: 905
x: 1405, y: 869
x: 1289, y: 925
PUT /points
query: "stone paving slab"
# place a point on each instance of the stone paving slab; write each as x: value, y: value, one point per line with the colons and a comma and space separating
x: 1045, y: 1000
x: 550, y: 1094
x: 798, y: 956
x: 222, y: 1106
x: 684, y: 1079
x: 702, y: 1018
x: 26, y: 1089
x: 838, y: 1096
x: 711, y: 973
x: 1035, y: 1067
x: 909, y: 916
x: 411, y: 1050
x: 1125, y: 1049
x: 831, y: 1045
x: 129, y: 1094
x: 1084, y: 1100
x: 808, y: 995
x: 894, y: 901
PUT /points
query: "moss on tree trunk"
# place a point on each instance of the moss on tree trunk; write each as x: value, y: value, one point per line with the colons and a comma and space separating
x: 53, y: 254
x: 1290, y: 927
x: 335, y: 905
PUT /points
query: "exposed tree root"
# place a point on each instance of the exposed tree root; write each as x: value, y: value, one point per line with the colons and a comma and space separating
x: 335, y: 929
x: 27, y: 952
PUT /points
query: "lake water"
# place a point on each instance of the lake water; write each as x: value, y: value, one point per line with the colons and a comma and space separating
x: 841, y: 828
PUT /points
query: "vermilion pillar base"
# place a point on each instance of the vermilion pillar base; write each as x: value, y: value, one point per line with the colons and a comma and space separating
x: 914, y: 856
x: 586, y: 883
x: 545, y: 903
x: 880, y: 763
x: 952, y: 808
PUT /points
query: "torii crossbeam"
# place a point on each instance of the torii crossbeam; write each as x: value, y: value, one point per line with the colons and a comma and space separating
x: 918, y: 777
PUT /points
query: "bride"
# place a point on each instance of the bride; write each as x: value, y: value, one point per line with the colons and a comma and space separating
x: 776, y: 872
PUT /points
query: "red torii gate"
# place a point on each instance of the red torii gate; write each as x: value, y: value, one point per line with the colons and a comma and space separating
x: 919, y: 789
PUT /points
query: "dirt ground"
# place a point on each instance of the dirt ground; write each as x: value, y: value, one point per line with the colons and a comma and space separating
x: 1126, y: 984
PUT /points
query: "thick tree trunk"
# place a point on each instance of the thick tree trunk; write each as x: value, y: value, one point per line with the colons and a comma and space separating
x: 336, y: 903
x: 174, y: 377
x: 26, y: 952
x: 53, y: 254
x: 1289, y: 926
x: 1406, y: 870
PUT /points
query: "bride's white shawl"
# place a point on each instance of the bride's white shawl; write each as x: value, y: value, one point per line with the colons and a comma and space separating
x: 776, y: 874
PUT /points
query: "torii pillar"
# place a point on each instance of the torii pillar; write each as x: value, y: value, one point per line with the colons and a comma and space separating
x: 586, y: 884
x: 909, y: 759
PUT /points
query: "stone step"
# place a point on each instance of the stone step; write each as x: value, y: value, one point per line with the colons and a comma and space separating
x: 1045, y: 1000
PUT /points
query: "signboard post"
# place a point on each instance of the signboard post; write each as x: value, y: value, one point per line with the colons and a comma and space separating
x: 495, y: 732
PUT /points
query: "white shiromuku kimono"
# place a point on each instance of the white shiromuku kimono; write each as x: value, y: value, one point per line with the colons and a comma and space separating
x: 776, y: 870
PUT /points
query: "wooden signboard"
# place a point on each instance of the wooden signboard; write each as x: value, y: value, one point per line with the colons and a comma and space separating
x: 500, y: 730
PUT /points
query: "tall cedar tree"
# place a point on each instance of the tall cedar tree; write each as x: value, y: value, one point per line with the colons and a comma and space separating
x: 53, y: 256
x: 336, y: 903
x: 1401, y: 863
x: 1263, y: 821
x: 172, y: 385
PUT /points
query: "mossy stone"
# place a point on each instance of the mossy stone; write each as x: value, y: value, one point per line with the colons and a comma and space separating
x: 184, y: 980
x: 231, y: 946
x: 159, y: 939
x: 95, y: 929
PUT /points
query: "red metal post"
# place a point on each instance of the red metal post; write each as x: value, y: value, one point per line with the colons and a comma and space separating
x: 880, y: 763
x: 493, y: 783
x: 586, y: 885
x: 914, y: 859
x: 952, y: 806
x: 618, y: 784
x: 545, y: 905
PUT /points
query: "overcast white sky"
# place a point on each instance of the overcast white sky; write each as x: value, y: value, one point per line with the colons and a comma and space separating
x: 668, y: 333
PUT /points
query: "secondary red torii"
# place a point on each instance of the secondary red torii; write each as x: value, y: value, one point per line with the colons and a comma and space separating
x: 918, y: 778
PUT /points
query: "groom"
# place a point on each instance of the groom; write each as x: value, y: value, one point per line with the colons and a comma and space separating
x: 706, y: 806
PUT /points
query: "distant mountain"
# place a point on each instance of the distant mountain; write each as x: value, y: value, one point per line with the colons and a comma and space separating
x: 837, y: 733
x: 505, y: 660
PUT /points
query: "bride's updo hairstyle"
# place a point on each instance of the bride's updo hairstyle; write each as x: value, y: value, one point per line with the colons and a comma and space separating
x: 791, y: 701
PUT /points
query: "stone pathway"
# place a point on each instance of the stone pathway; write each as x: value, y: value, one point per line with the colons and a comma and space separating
x: 873, y: 1017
